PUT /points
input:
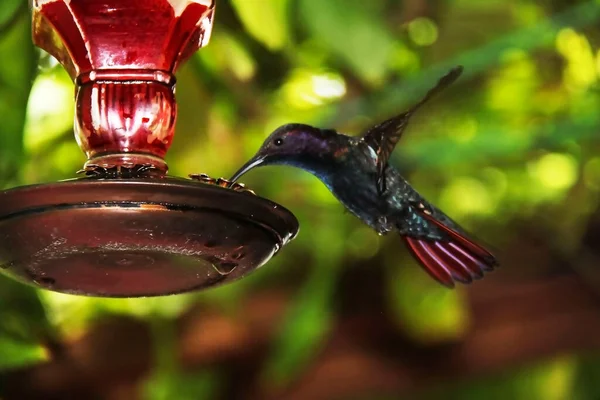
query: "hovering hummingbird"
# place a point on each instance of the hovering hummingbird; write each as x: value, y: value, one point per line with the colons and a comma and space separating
x: 356, y: 171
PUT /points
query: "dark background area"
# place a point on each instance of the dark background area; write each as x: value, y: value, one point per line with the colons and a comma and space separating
x: 511, y: 151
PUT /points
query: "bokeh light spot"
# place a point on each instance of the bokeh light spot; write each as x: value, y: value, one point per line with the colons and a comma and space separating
x: 467, y: 196
x: 581, y: 71
x: 49, y: 110
x: 555, y: 171
x: 328, y: 86
x: 465, y: 130
x: 423, y: 31
x: 558, y: 378
x: 306, y: 89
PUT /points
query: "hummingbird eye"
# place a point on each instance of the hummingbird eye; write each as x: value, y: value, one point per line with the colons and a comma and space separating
x: 278, y: 142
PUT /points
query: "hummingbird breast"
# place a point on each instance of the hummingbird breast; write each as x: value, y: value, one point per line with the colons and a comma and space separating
x: 353, y: 183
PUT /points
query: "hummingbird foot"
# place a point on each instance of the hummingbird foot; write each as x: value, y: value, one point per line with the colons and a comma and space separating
x: 383, y: 226
x: 204, y: 178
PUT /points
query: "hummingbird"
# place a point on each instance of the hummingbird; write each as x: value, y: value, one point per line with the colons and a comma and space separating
x: 357, y: 171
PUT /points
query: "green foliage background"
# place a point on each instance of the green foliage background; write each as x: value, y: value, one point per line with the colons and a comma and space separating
x: 516, y: 139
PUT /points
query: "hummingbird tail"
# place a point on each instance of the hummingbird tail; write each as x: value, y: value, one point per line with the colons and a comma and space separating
x: 455, y: 259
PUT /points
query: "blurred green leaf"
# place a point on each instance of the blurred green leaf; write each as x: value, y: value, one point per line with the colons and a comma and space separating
x: 14, y: 354
x: 309, y: 319
x: 182, y: 385
x: 429, y: 312
x: 265, y: 20
x: 16, y: 74
x: 23, y: 314
x: 9, y: 13
x: 353, y: 30
x: 25, y: 327
x: 305, y: 326
x: 585, y: 385
x: 168, y: 380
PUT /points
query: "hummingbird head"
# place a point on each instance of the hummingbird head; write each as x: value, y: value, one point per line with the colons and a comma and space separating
x: 299, y: 145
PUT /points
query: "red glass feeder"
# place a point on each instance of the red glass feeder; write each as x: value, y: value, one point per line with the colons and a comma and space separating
x: 127, y: 229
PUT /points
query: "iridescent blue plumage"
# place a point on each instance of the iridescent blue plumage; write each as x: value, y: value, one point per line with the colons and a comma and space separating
x: 357, y: 172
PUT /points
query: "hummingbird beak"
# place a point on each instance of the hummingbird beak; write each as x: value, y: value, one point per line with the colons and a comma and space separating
x: 253, y: 162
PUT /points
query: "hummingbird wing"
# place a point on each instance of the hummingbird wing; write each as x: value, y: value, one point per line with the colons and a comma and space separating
x: 383, y: 137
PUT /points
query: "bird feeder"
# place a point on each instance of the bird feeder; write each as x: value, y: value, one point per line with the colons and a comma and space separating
x: 125, y: 228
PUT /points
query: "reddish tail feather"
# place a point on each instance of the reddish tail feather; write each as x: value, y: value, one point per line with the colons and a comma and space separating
x: 455, y: 259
